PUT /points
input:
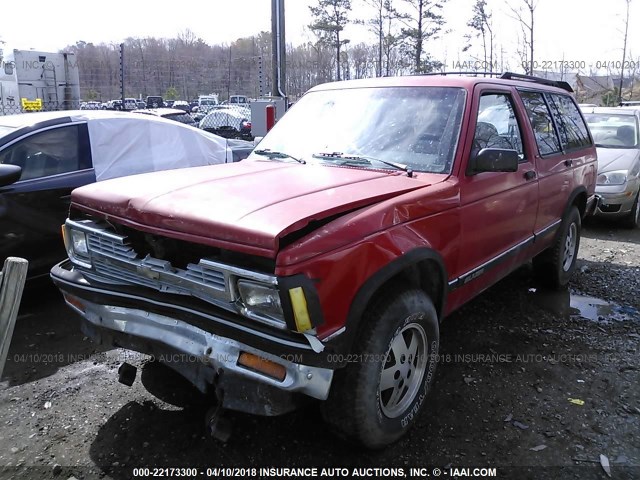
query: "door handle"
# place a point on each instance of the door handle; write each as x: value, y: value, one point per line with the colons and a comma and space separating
x: 568, y: 162
x: 530, y: 175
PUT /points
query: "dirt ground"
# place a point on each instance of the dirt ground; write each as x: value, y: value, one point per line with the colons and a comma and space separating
x: 533, y: 383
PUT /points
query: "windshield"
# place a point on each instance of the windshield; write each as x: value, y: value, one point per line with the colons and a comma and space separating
x: 613, y: 130
x: 414, y: 126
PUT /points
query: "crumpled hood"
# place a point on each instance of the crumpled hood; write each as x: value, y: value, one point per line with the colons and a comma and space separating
x: 611, y: 159
x: 247, y: 206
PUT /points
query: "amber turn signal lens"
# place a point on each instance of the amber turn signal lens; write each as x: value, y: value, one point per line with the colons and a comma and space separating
x: 63, y: 230
x: 74, y: 302
x: 262, y: 365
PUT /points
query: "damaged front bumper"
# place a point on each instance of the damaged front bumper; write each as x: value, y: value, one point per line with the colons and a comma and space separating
x: 206, y: 359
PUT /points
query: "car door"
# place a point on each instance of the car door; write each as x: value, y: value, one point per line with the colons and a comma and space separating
x: 498, y: 209
x: 54, y: 162
x: 560, y: 140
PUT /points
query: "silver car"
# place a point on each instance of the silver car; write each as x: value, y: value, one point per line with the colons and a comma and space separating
x: 616, y: 135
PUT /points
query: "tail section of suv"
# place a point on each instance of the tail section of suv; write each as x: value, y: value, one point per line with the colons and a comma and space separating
x: 155, y: 101
x: 371, y: 211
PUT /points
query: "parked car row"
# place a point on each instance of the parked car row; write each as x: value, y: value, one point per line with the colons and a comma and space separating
x: 230, y: 120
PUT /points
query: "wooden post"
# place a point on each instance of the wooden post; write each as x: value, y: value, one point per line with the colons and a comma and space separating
x: 12, y: 278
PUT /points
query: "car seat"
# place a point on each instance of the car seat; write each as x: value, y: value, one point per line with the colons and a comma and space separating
x: 626, y: 134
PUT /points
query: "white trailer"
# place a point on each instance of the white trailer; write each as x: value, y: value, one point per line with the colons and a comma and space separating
x: 32, y: 81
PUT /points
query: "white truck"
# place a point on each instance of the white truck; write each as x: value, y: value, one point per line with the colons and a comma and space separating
x: 31, y: 81
x: 207, y: 102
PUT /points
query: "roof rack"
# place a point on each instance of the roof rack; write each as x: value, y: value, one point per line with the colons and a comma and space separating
x: 475, y: 73
x: 543, y: 81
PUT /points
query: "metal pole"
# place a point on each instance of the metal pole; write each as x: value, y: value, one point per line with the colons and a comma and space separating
x: 229, y: 79
x: 122, y: 74
x: 278, y: 48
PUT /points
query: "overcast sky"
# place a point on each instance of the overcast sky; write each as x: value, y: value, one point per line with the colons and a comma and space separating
x: 579, y: 30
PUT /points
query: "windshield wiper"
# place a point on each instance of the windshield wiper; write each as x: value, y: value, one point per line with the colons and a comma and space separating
x: 271, y: 154
x: 353, y: 158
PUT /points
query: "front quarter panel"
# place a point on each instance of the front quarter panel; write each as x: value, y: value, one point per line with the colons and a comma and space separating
x: 343, y: 255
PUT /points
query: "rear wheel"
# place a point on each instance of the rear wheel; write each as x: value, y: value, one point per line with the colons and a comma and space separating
x: 633, y: 219
x: 554, y: 266
x: 375, y: 400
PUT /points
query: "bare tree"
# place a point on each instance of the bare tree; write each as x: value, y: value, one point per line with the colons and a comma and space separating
x: 424, y: 23
x: 391, y: 40
x: 331, y: 16
x: 524, y: 14
x: 482, y: 25
x: 624, y: 50
x: 381, y: 26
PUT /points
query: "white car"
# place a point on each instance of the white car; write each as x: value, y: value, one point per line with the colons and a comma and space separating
x: 616, y: 133
x: 228, y: 121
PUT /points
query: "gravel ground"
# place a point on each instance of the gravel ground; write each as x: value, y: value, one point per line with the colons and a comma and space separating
x: 533, y: 383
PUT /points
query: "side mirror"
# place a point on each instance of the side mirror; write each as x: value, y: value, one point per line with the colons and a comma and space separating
x: 494, y: 160
x: 9, y: 174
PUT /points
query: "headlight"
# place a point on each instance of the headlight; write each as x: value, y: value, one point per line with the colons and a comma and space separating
x: 79, y: 243
x: 75, y: 242
x: 259, y: 298
x: 613, y: 178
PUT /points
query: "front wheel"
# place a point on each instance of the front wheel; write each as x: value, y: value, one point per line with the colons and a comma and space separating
x: 377, y: 398
x: 633, y: 219
x: 554, y: 266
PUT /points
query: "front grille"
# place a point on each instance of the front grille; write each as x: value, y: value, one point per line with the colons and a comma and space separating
x: 206, y: 275
x: 120, y: 259
x: 610, y: 208
x: 110, y: 246
x: 123, y: 276
x: 114, y: 258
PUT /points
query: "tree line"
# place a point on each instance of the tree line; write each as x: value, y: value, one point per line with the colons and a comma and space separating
x: 402, y: 32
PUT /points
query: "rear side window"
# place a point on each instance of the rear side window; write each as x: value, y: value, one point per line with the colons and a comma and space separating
x: 541, y: 122
x: 571, y: 127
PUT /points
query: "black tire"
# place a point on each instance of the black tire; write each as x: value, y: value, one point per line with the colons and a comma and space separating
x: 633, y: 219
x: 359, y: 408
x: 553, y: 267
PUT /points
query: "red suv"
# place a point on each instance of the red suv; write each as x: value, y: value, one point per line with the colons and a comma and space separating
x: 323, y: 264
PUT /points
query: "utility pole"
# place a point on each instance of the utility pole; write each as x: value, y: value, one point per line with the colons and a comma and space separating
x: 278, y: 48
x: 122, y: 74
x: 229, y: 77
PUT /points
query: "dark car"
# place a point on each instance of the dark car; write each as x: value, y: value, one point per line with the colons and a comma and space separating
x: 182, y: 105
x: 323, y: 265
x: 114, y: 105
x: 155, y: 101
x: 45, y: 155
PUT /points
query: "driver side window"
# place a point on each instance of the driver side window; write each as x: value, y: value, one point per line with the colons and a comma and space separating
x: 47, y: 153
x: 497, y: 124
